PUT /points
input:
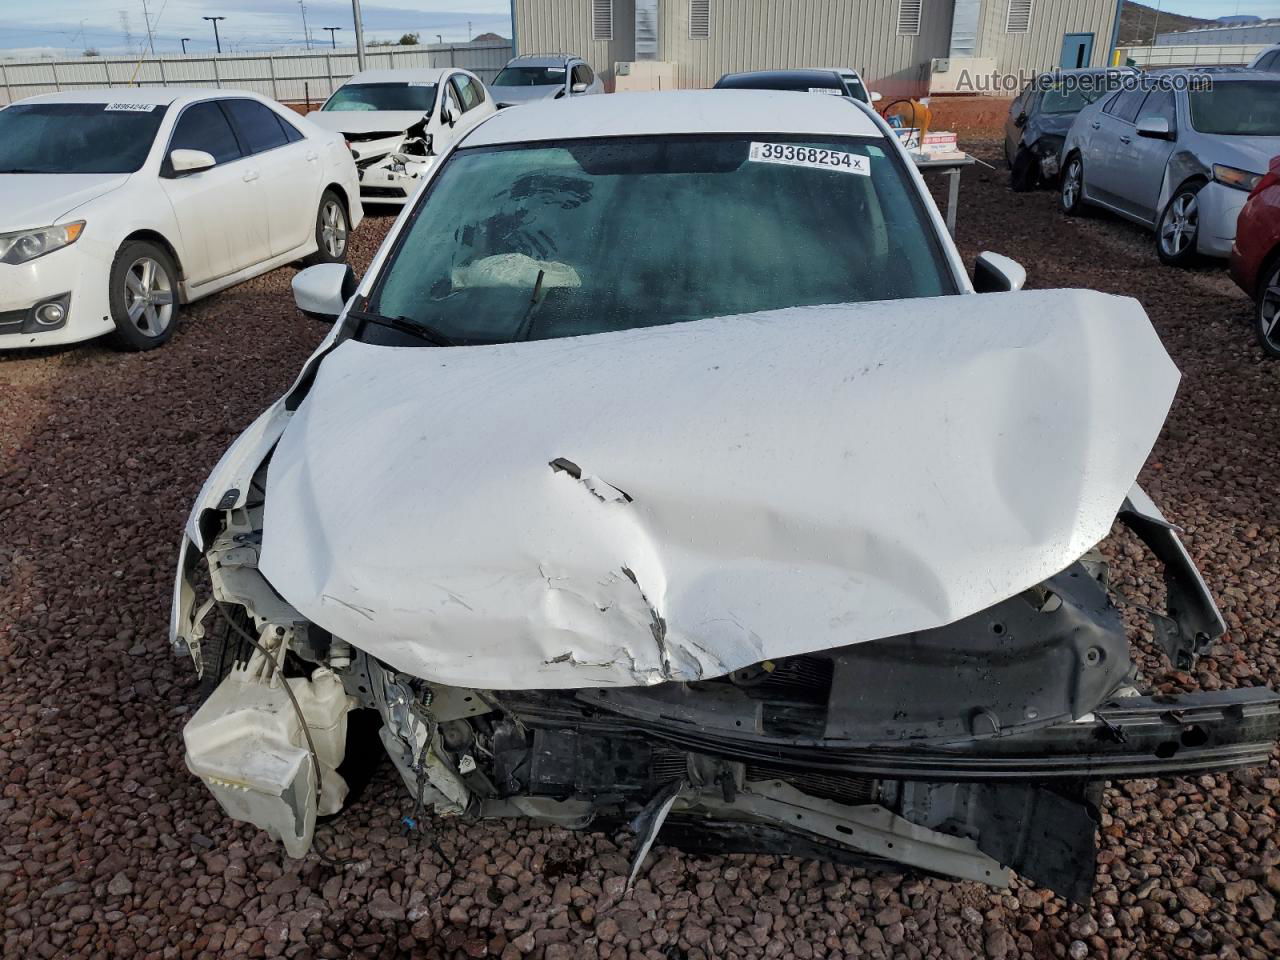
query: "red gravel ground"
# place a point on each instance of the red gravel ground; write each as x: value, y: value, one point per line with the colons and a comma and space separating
x: 108, y: 847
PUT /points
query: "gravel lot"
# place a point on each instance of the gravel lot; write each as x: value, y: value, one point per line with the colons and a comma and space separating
x: 110, y: 848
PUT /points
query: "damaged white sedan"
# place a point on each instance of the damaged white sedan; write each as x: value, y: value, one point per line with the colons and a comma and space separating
x: 666, y: 467
x: 397, y: 122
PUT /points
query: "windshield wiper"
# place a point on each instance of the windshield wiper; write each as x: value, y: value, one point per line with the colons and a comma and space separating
x: 415, y: 328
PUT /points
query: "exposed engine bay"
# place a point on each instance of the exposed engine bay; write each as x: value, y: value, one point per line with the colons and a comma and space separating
x: 391, y: 163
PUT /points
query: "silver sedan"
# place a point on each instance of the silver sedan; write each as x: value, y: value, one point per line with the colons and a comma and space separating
x: 1180, y: 161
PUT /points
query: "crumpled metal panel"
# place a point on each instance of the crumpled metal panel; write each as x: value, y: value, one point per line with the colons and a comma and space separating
x: 680, y: 501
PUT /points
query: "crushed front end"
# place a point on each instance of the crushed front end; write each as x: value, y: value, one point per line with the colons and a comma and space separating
x: 966, y: 751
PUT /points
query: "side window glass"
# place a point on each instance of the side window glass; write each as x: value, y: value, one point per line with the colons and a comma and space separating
x: 451, y: 99
x: 291, y: 133
x: 1159, y: 104
x: 460, y: 93
x: 477, y: 91
x: 580, y: 74
x: 203, y: 126
x: 1110, y: 105
x: 259, y: 128
x: 1126, y: 108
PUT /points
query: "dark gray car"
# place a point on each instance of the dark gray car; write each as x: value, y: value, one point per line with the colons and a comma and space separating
x: 1041, y: 115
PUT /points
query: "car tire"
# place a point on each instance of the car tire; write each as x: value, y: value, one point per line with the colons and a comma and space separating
x: 1024, y: 174
x: 333, y: 231
x: 221, y: 648
x: 1071, y: 190
x: 1267, y: 308
x: 143, y: 295
x: 1178, y: 228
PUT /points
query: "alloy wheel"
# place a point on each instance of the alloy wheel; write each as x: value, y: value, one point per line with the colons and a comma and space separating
x: 148, y: 296
x: 1181, y: 222
x: 1269, y: 311
x: 1071, y: 184
x: 333, y: 229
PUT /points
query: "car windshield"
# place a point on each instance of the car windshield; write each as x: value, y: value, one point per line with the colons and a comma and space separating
x: 529, y: 77
x: 414, y: 97
x: 1245, y: 108
x: 588, y: 236
x: 77, y: 137
x: 1062, y: 101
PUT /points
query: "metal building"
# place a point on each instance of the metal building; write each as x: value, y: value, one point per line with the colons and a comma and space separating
x: 900, y: 46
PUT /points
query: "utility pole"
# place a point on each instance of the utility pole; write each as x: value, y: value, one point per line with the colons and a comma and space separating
x: 468, y: 31
x: 355, y: 12
x: 306, y: 34
x: 332, y: 30
x: 184, y: 45
x: 146, y: 18
x: 216, y: 41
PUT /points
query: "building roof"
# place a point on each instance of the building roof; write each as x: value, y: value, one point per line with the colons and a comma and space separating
x: 677, y: 111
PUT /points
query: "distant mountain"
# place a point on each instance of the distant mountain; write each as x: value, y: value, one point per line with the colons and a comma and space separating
x: 1139, y: 23
x: 489, y: 38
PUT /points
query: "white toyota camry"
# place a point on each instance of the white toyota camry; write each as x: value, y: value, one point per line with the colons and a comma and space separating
x: 117, y: 206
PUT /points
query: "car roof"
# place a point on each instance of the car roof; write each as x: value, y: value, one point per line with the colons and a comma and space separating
x: 677, y: 112
x: 161, y: 95
x: 805, y: 73
x: 410, y: 75
x: 542, y: 60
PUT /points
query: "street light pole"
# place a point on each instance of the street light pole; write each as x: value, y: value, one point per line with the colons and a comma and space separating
x: 355, y: 12
x: 306, y: 34
x: 184, y: 45
x: 332, y: 30
x: 216, y: 40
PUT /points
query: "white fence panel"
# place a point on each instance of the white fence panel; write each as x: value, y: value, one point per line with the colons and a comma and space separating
x: 285, y: 76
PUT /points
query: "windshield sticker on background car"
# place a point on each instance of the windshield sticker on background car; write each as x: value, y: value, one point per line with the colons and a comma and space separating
x: 556, y: 70
x: 130, y: 107
x: 830, y: 91
x: 420, y: 83
x: 817, y: 158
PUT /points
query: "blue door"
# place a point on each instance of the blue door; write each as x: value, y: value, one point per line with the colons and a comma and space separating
x: 1077, y: 50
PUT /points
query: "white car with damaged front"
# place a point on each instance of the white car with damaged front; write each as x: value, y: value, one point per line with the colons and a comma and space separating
x: 667, y: 467
x: 397, y: 122
x: 118, y: 206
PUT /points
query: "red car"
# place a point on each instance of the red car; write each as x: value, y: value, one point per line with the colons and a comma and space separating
x: 1255, y: 256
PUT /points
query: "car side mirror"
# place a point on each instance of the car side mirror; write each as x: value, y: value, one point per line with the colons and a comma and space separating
x: 578, y: 88
x: 1156, y: 128
x: 993, y: 273
x: 190, y: 161
x: 322, y: 291
x: 446, y: 115
x: 876, y: 97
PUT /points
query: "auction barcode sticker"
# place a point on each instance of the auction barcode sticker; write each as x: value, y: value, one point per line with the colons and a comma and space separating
x: 130, y: 107
x: 816, y: 158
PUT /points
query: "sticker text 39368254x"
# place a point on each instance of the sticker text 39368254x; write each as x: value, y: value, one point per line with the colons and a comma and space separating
x: 816, y: 158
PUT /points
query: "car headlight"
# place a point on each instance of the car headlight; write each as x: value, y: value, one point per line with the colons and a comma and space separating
x: 1235, y: 177
x: 28, y: 244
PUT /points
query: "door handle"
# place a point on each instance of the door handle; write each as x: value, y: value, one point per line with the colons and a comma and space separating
x: 1125, y: 140
x: 250, y: 176
x: 1095, y: 124
x: 312, y: 156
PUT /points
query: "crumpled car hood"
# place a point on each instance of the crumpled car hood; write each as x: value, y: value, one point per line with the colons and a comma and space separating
x: 366, y: 121
x: 681, y: 501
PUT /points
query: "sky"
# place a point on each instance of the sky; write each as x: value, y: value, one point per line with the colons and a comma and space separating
x: 71, y: 26
x: 68, y: 27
